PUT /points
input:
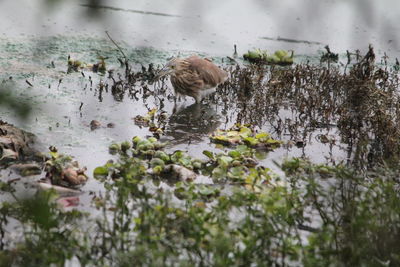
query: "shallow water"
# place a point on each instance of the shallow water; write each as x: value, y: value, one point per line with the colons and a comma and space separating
x: 213, y: 27
x: 33, y: 35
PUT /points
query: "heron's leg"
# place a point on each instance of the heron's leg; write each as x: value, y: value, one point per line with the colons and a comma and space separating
x: 197, y: 110
x: 198, y: 97
x: 177, y: 97
x: 177, y: 108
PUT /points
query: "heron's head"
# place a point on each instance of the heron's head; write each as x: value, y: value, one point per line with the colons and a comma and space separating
x: 173, y: 66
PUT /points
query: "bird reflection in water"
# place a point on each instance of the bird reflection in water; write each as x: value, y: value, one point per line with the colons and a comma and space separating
x: 190, y: 124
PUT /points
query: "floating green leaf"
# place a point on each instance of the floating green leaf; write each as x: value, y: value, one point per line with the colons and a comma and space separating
x: 209, y: 154
x: 100, y: 172
x: 242, y: 135
x: 280, y: 57
x: 225, y: 160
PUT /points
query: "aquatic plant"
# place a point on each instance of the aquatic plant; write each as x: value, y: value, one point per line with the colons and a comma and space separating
x: 155, y: 120
x: 279, y: 57
x: 329, y: 56
x: 77, y: 65
x: 359, y: 100
x: 240, y: 134
x: 327, y: 215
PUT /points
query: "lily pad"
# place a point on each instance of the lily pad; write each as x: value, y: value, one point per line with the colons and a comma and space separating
x: 279, y: 57
x: 242, y: 135
x: 100, y: 171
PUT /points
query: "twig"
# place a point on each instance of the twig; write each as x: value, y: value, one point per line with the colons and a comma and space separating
x: 307, y: 228
x: 231, y: 59
x: 13, y: 180
x: 28, y: 83
x: 119, y: 48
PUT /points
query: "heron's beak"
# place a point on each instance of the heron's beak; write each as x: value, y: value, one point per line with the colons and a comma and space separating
x: 163, y: 72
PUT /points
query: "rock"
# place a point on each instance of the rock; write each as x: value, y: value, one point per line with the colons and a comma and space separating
x: 94, y: 124
x: 62, y: 191
x: 180, y: 173
x: 8, y: 156
x: 5, y: 141
x: 16, y: 145
x: 68, y: 202
x: 63, y: 170
x: 27, y: 169
x: 111, y: 125
x: 74, y: 176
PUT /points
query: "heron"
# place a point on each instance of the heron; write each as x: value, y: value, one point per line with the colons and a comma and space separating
x: 193, y: 76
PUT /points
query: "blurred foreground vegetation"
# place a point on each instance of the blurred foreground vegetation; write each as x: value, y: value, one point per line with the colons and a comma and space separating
x: 322, y: 216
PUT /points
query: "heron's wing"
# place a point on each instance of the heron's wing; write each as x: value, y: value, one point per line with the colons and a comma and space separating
x: 207, y: 71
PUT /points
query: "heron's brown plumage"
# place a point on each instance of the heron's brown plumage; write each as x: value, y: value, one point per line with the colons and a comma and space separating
x: 193, y: 76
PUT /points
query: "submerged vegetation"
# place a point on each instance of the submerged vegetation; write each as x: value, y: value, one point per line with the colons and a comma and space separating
x: 360, y: 102
x: 164, y: 207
